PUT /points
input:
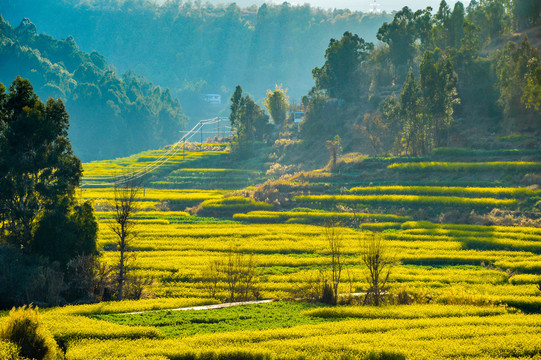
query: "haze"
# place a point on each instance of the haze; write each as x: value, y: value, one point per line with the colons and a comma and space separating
x: 358, y: 5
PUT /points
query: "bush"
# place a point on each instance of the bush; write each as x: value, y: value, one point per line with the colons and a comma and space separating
x: 24, y: 328
x: 384, y: 355
x: 8, y: 350
x: 229, y: 355
x: 231, y: 205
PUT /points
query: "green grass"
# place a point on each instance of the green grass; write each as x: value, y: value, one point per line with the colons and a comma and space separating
x: 403, y: 200
x: 467, y: 166
x: 462, y: 152
x: 313, y: 217
x: 231, y: 205
x: 404, y: 311
x: 250, y: 317
x: 505, y: 192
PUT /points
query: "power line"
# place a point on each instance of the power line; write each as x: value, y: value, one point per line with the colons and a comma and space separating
x: 172, y: 151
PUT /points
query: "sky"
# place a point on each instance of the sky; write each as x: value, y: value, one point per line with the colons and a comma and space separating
x: 358, y: 5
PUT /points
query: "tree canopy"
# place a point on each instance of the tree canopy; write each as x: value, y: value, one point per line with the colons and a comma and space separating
x: 110, y: 115
x: 39, y: 174
x: 435, y: 76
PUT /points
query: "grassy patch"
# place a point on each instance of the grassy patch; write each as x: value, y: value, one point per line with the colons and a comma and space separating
x: 250, y: 317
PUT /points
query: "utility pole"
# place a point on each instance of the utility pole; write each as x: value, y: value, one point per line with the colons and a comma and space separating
x: 201, y: 146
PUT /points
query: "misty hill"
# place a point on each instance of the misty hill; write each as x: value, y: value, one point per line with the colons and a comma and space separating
x: 196, y: 48
x: 110, y: 115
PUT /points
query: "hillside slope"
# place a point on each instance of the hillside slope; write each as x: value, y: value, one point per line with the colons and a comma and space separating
x: 110, y: 115
x: 194, y: 47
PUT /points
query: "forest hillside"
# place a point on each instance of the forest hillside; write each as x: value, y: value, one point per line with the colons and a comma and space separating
x: 195, y: 48
x: 111, y: 114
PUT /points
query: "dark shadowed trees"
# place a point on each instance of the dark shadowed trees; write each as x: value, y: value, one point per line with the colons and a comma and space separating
x: 37, y: 166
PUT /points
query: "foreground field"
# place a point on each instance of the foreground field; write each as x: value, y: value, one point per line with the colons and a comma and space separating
x: 472, y: 289
x: 297, y: 331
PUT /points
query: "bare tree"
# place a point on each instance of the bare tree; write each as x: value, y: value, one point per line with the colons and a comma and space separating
x: 239, y: 272
x: 212, y: 276
x: 335, y: 147
x: 375, y: 255
x: 125, y: 205
x: 335, y: 242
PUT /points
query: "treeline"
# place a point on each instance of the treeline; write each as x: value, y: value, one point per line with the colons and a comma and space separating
x: 48, y: 235
x: 195, y: 47
x: 436, y: 78
x: 111, y: 115
x: 45, y: 233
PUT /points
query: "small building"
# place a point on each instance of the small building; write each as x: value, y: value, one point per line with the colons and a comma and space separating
x: 298, y: 116
x: 212, y: 99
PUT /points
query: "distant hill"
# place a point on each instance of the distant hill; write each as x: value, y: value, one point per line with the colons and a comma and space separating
x: 110, y: 115
x: 196, y: 48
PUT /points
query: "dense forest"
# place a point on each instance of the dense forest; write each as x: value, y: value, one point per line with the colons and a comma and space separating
x: 195, y: 48
x: 110, y: 115
x: 460, y: 77
x: 466, y: 76
x: 391, y: 84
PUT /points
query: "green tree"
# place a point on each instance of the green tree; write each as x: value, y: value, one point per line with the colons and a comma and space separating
x: 249, y: 122
x: 526, y: 13
x: 413, y: 123
x: 532, y: 92
x: 402, y: 33
x: 237, y: 105
x: 65, y: 232
x: 340, y: 76
x: 442, y: 22
x: 456, y: 25
x: 448, y: 25
x: 438, y: 90
x: 320, y: 120
x: 277, y: 105
x: 489, y: 16
x: 37, y: 165
x: 512, y: 67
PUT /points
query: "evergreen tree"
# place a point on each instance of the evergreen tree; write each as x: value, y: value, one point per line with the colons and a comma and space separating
x: 512, y: 67
x: 439, y: 94
x: 526, y: 12
x: 38, y: 177
x: 37, y: 165
x: 249, y: 122
x: 340, y: 76
x: 413, y: 122
x: 532, y: 92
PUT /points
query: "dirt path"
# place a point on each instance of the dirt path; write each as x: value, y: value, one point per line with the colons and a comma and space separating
x: 205, y: 307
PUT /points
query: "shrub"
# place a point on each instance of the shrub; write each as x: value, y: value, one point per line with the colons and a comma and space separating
x: 468, y: 166
x: 231, y: 205
x: 8, y: 350
x: 229, y: 355
x: 24, y: 328
x: 384, y: 355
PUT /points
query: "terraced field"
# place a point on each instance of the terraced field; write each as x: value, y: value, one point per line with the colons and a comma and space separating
x: 180, y: 166
x: 473, y: 288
